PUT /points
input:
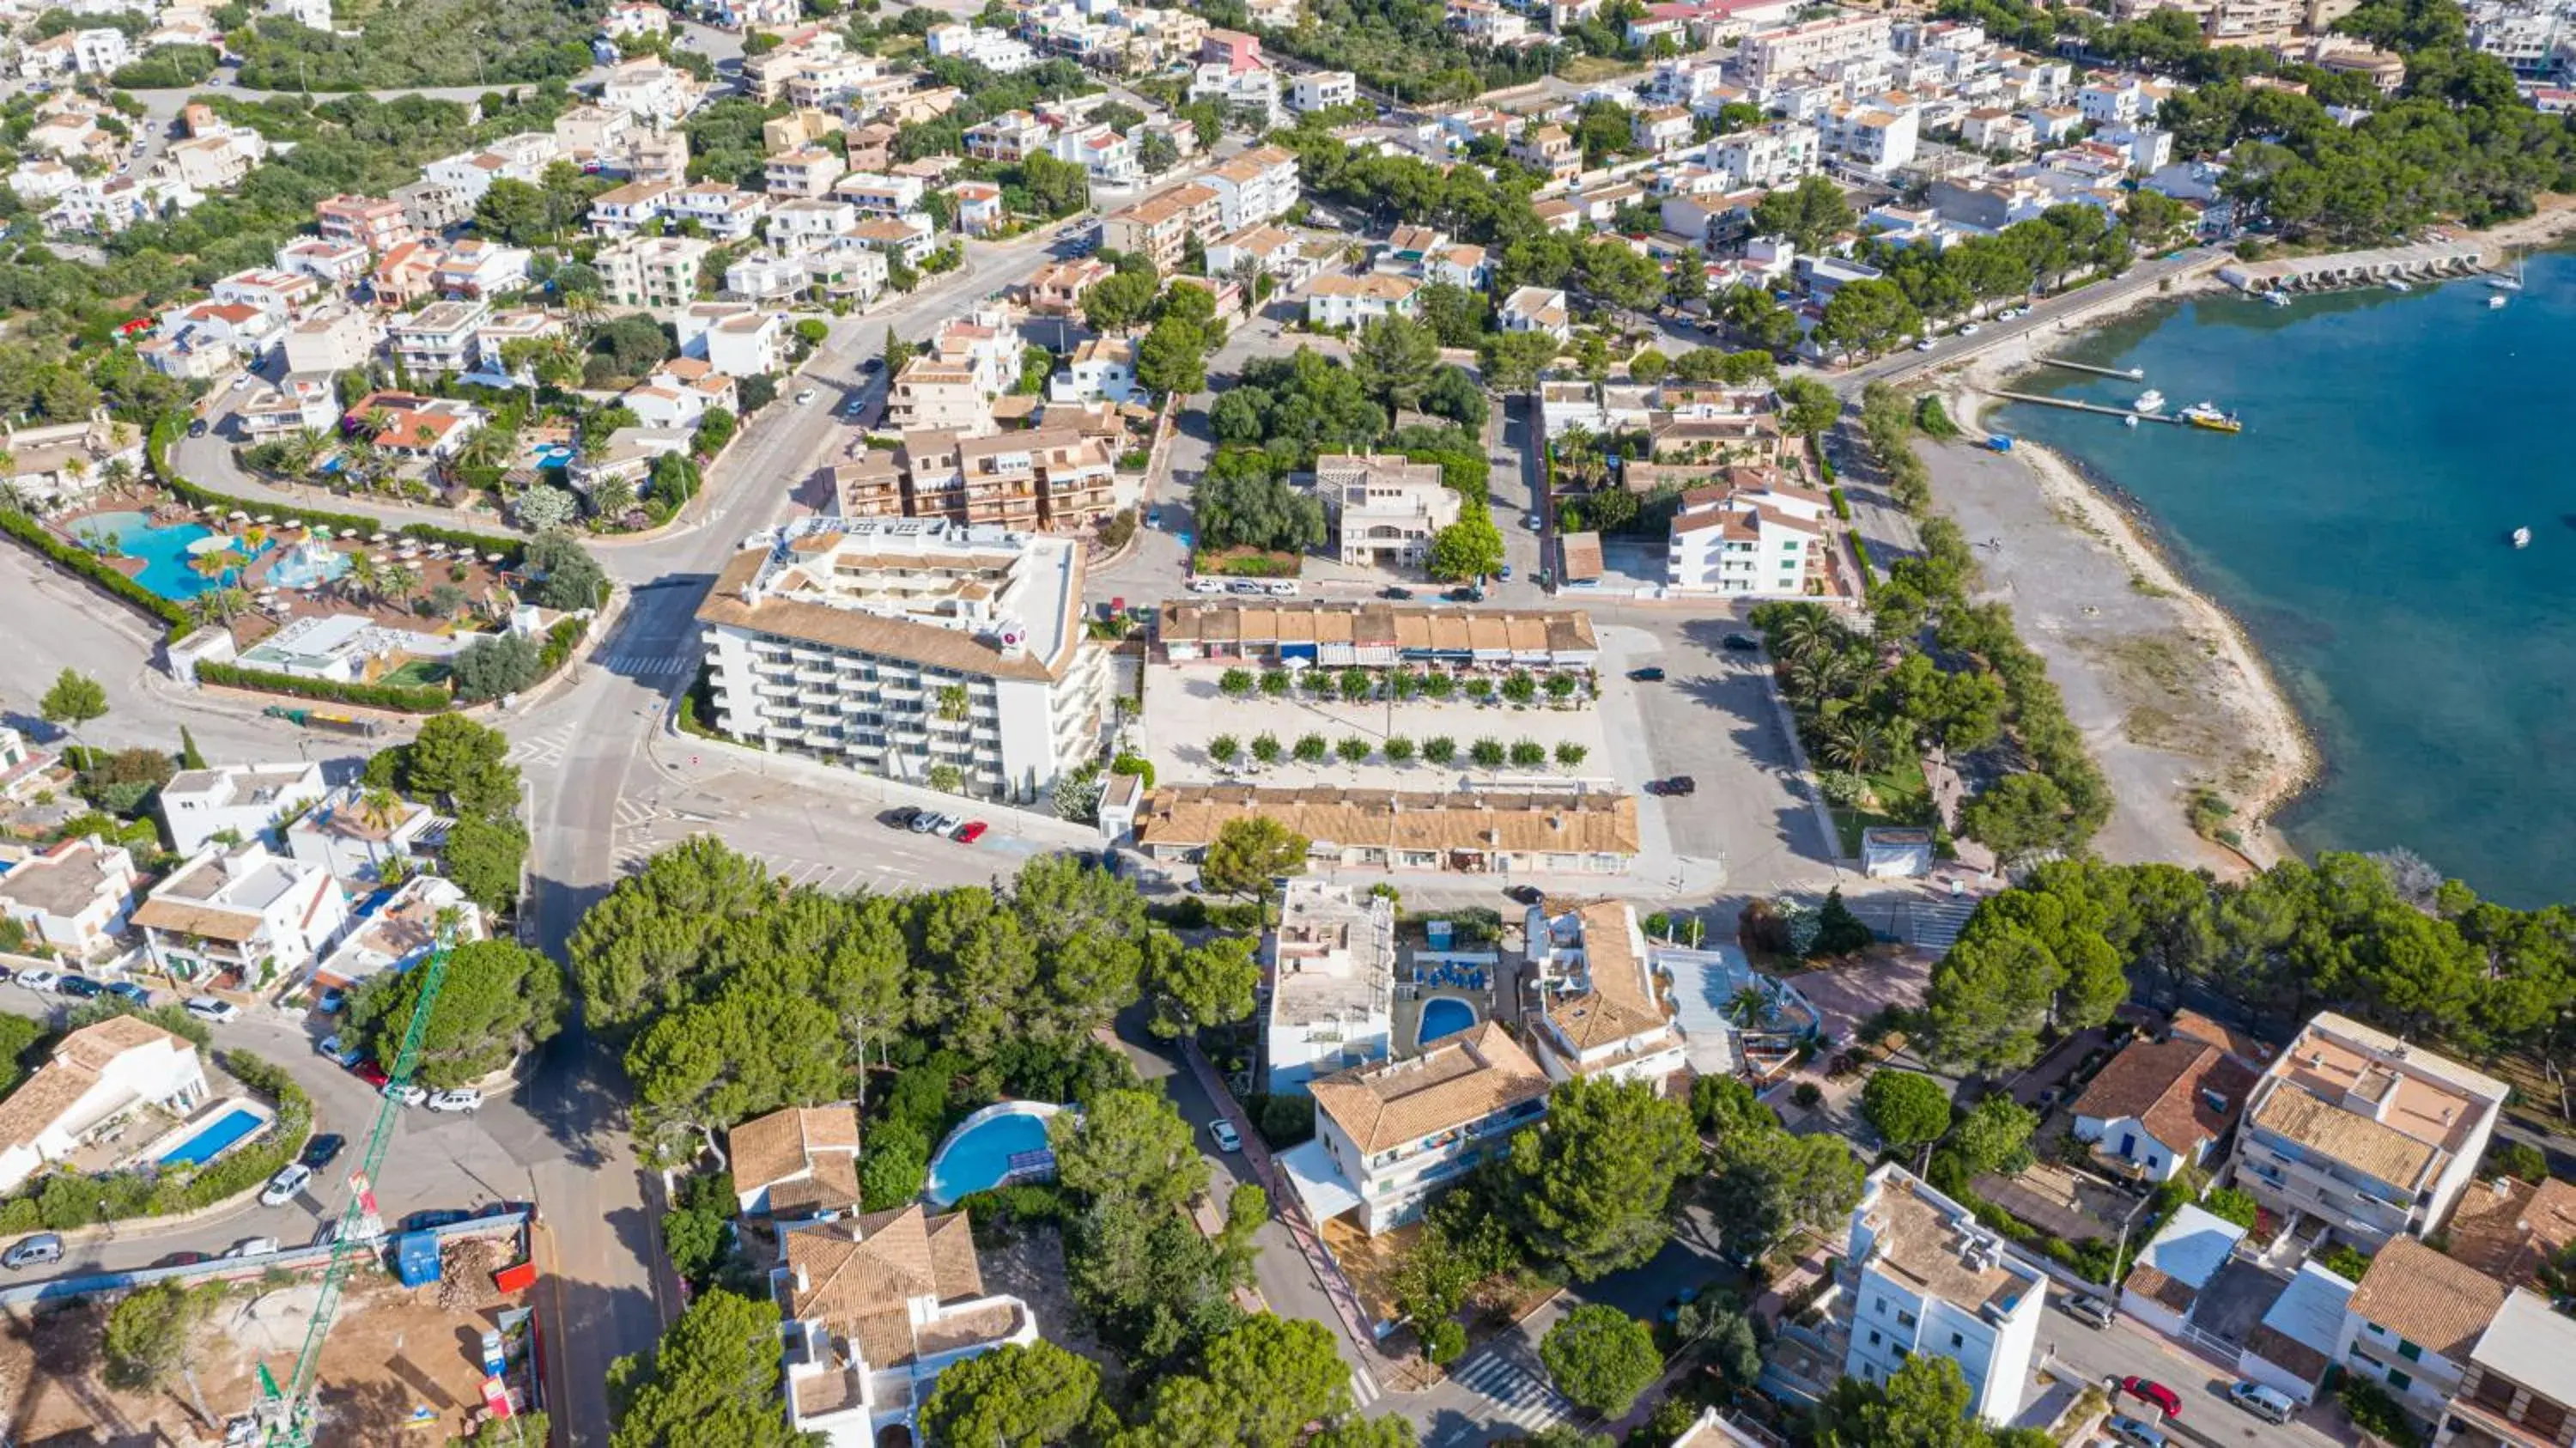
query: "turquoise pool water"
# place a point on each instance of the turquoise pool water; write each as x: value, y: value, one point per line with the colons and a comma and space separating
x: 163, y: 547
x: 556, y: 455
x: 979, y: 1157
x: 308, y: 567
x: 1444, y: 1016
x: 215, y: 1139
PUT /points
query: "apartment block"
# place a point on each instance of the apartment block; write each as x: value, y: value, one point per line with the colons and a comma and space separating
x: 1331, y: 963
x: 439, y: 337
x: 1160, y: 227
x: 1048, y: 477
x: 903, y: 646
x: 1769, y: 55
x: 1922, y: 1276
x: 1257, y: 186
x: 1751, y: 535
x: 1385, y: 509
x: 660, y: 272
x: 2374, y: 1137
x: 1390, y: 1135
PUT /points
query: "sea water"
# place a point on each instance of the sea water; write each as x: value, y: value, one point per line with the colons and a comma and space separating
x: 2360, y: 526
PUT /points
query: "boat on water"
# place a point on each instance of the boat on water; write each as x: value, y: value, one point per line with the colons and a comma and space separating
x: 2208, y: 415
x: 2276, y: 298
x: 2505, y: 282
x: 2150, y: 401
x: 2129, y: 421
x: 2495, y: 301
x: 2521, y: 537
x: 2398, y: 284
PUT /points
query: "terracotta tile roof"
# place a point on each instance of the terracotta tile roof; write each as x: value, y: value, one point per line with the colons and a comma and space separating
x: 1619, y: 1005
x: 75, y: 1067
x: 1454, y: 1084
x: 2162, y: 1083
x: 782, y: 1144
x: 2508, y: 1228
x: 869, y: 633
x: 2193, y: 1026
x: 2433, y: 1301
x: 2382, y: 1152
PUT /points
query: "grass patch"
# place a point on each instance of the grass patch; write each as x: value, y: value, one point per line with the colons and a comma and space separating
x: 1899, y: 796
x: 1587, y: 69
x: 424, y: 673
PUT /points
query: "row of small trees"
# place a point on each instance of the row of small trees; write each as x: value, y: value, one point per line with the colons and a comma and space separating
x: 1356, y: 685
x: 1488, y: 752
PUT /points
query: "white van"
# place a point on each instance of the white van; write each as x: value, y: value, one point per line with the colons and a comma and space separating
x: 2269, y: 1404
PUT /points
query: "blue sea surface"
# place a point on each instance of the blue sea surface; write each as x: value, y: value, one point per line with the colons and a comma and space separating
x: 2359, y: 527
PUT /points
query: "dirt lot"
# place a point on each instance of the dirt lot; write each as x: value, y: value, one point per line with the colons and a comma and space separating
x: 397, y: 1362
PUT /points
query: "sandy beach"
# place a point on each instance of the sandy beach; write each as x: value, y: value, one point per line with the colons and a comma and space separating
x: 2167, y: 686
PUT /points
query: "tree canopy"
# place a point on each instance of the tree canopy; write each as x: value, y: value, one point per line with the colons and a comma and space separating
x: 1588, y: 1189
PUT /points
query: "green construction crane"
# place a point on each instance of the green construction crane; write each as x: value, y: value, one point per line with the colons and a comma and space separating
x: 287, y: 1413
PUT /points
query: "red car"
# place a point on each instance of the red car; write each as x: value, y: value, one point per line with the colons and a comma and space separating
x: 2148, y: 1390
x: 371, y: 1073
x: 971, y: 831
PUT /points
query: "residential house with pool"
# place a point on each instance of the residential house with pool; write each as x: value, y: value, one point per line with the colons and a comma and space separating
x: 96, y: 1075
x: 355, y: 832
x: 1330, y: 963
x: 1391, y: 1135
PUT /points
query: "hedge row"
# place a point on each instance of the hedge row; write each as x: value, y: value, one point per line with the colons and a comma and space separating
x: 1842, y: 505
x: 63, y: 1201
x: 561, y: 640
x: 168, y: 429
x: 400, y: 698
x: 96, y: 570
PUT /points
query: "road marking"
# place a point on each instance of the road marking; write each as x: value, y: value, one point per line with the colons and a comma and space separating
x: 635, y: 814
x: 648, y: 666
x: 546, y: 748
x: 1518, y: 1396
x: 1364, y: 1389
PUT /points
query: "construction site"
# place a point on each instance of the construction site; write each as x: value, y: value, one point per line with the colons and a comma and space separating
x: 400, y: 1364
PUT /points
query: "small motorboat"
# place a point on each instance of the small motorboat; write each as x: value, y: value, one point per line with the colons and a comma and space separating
x: 2398, y: 284
x: 2521, y: 537
x: 2495, y: 301
x: 2129, y: 421
x: 2150, y: 402
x: 2277, y: 298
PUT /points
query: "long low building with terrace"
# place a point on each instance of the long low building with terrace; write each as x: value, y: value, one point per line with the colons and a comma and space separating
x: 1572, y: 831
x: 1376, y: 635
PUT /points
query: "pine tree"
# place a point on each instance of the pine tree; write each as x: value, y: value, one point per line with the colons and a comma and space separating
x: 189, y: 758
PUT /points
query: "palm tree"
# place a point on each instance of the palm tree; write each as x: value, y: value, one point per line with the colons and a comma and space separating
x: 953, y: 705
x: 1825, y: 676
x: 118, y: 474
x: 402, y: 582
x: 218, y: 607
x: 1854, y: 742
x: 483, y: 449
x: 303, y: 449
x: 365, y: 579
x: 1803, y: 633
x: 583, y: 310
x: 215, y: 563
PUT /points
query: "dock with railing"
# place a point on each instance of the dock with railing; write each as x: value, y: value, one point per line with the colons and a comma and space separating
x: 2095, y: 407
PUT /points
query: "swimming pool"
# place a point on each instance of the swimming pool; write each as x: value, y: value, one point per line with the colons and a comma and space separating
x: 1001, y: 1142
x: 1443, y: 1016
x: 164, y: 549
x: 556, y: 455
x: 218, y: 1137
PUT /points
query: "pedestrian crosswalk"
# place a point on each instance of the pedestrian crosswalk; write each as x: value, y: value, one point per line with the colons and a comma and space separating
x: 1364, y: 1389
x: 1936, y: 923
x: 649, y: 666
x: 1519, y: 1397
x: 635, y: 814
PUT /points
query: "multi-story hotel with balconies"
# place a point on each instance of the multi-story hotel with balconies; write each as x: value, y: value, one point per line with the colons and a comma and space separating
x: 907, y: 647
x: 2360, y: 1131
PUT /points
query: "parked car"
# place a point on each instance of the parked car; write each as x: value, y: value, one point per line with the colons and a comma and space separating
x: 408, y: 1095
x: 804, y: 395
x: 1154, y: 516
x: 1225, y: 1136
x: 1505, y: 575
x: 1247, y: 587
x: 33, y: 1251
x: 2148, y: 1390
x: 282, y: 1188
x: 1679, y: 784
x: 971, y: 831
x: 40, y: 979
x: 1743, y: 644
x: 331, y: 1000
x: 1530, y: 521
x: 331, y: 1046
x: 1924, y: 346
x: 1401, y: 595
x: 181, y: 1259
x: 460, y: 1100
x: 2130, y: 1430
x: 1970, y: 329
x: 1523, y: 894
x: 213, y: 1011
x: 197, y: 428
x: 1647, y: 675
x: 1468, y: 594
x: 2087, y: 1309
x: 373, y: 1074
x: 1283, y: 588
x: 82, y: 987
x: 323, y: 1150
x: 251, y: 1247
x: 899, y: 818
x: 2269, y: 1404
x: 1207, y: 585
x: 433, y: 1220
x: 128, y: 990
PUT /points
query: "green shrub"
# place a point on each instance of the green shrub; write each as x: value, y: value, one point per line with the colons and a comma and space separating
x: 2376, y: 1413
x: 1842, y: 505
x: 400, y: 698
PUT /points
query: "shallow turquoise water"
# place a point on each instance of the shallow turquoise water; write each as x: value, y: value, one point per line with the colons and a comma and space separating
x: 163, y: 548
x: 2358, y: 526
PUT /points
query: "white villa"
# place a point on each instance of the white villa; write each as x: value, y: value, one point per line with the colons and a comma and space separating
x: 245, y: 801
x: 241, y: 908
x: 97, y: 1073
x: 1600, y: 1011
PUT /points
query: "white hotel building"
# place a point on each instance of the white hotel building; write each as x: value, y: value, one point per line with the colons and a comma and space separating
x: 1923, y: 1277
x: 842, y: 637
